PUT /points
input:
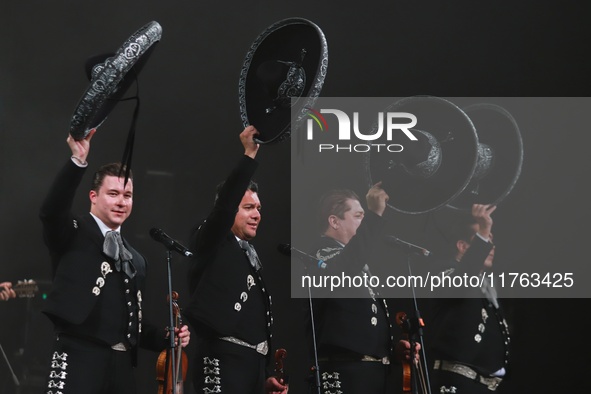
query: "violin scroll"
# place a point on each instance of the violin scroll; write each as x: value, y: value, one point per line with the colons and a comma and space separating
x: 164, y: 366
x: 280, y: 355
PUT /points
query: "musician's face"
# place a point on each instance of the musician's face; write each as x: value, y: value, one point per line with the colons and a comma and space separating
x: 348, y: 224
x: 248, y: 216
x: 113, y: 202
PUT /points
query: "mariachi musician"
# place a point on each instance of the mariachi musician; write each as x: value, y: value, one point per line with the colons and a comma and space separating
x: 468, y: 331
x: 468, y: 159
x: 230, y: 309
x: 470, y: 336
x: 95, y: 302
x: 356, y: 346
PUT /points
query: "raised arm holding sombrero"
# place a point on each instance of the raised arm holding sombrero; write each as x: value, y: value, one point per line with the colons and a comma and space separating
x: 98, y: 278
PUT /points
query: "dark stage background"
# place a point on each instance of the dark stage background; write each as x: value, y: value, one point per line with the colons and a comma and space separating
x: 187, y: 141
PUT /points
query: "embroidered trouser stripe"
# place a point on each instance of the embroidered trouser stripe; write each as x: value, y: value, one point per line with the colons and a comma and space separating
x: 331, y: 383
x: 223, y: 367
x: 82, y: 366
x: 211, y: 375
x: 353, y: 377
x: 58, y: 373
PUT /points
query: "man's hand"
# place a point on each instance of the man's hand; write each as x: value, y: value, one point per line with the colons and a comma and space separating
x: 6, y: 291
x: 402, y: 351
x: 80, y: 149
x: 273, y: 386
x: 376, y: 199
x: 184, y: 335
x: 247, y: 138
x: 481, y: 213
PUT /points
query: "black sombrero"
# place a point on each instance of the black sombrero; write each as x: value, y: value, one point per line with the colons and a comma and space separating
x: 110, y: 79
x: 283, y: 73
x: 432, y: 171
x: 500, y: 156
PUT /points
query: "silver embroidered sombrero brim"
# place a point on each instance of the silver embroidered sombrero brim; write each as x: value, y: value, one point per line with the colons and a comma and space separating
x: 110, y: 79
x: 282, y: 74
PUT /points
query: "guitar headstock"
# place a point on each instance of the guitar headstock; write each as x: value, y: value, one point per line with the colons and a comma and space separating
x: 26, y: 288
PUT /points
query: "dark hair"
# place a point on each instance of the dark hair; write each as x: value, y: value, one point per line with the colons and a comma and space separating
x: 252, y: 186
x: 461, y: 229
x: 334, y: 202
x: 111, y: 169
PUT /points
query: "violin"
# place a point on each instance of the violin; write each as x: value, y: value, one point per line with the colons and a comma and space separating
x: 165, y: 372
x: 412, y: 371
x: 280, y: 355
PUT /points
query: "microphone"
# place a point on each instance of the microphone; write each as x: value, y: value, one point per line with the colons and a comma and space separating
x: 397, y: 242
x: 170, y: 243
x: 286, y: 249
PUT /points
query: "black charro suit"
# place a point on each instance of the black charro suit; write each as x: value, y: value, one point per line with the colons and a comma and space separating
x: 229, y: 298
x: 468, y: 330
x: 350, y: 330
x: 91, y: 305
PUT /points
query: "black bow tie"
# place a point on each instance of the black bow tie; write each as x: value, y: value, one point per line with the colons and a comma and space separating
x: 113, y: 247
x: 251, y: 254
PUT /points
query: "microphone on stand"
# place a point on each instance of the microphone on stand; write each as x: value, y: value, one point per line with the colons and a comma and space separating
x: 407, y: 246
x: 306, y: 258
x: 170, y: 243
x: 284, y: 249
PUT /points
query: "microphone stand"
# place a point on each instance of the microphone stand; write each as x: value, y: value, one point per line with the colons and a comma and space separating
x: 14, y: 378
x: 415, y: 334
x: 300, y: 257
x: 172, y: 360
x: 316, y: 367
